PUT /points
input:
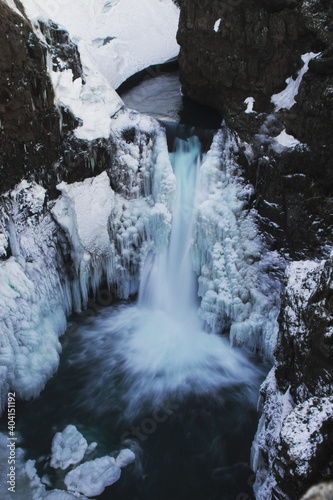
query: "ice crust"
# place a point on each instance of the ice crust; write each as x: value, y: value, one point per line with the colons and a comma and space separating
x: 229, y: 256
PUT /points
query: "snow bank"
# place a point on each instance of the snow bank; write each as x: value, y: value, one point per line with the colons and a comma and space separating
x: 286, y: 98
x: 94, y: 102
x: 229, y: 256
x: 118, y: 38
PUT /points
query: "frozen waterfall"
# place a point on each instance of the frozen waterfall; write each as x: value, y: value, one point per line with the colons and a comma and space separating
x: 158, y: 348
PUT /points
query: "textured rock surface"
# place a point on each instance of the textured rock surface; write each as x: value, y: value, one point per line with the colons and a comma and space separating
x: 26, y: 102
x: 293, y: 448
x: 256, y: 46
x: 46, y: 149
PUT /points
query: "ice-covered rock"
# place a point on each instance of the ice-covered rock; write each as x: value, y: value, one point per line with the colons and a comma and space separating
x: 305, y: 431
x: 292, y: 449
x: 91, y: 478
x: 35, y: 295
x: 125, y: 458
x: 68, y: 448
x: 229, y: 256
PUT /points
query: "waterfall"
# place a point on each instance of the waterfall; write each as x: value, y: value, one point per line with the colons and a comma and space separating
x: 168, y: 281
x: 158, y: 349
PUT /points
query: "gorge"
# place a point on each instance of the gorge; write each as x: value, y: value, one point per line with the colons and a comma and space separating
x: 185, y: 274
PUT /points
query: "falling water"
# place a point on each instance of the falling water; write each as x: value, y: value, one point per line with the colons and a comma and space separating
x: 130, y: 361
x: 157, y: 349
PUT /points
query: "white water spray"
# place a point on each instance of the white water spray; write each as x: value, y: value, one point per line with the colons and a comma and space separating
x: 158, y: 349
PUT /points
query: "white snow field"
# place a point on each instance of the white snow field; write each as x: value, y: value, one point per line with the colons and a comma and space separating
x: 119, y: 37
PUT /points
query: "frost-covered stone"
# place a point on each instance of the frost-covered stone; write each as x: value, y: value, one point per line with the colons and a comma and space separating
x: 91, y: 478
x: 294, y: 452
x: 305, y: 431
x: 68, y: 448
x: 35, y: 297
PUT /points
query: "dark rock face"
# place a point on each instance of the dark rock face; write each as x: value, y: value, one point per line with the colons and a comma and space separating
x: 30, y: 129
x: 304, y: 352
x: 251, y: 51
x: 36, y: 138
x: 295, y: 441
x: 257, y: 45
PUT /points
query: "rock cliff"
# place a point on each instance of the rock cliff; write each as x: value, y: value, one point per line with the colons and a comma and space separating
x: 235, y: 49
x: 232, y: 50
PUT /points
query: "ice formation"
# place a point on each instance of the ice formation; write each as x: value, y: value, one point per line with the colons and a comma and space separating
x: 68, y: 448
x: 35, y: 296
x: 229, y: 256
x: 107, y: 234
x: 125, y: 458
x: 286, y: 98
x: 91, y: 478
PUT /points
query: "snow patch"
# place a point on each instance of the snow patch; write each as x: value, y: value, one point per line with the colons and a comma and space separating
x: 249, y: 101
x: 286, y: 98
x: 217, y: 25
x: 286, y: 140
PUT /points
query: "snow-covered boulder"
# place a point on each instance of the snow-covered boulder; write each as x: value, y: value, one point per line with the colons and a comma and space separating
x: 91, y: 478
x: 68, y: 448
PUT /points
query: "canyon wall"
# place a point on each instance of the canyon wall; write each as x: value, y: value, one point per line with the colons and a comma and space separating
x: 232, y: 50
x: 235, y: 49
